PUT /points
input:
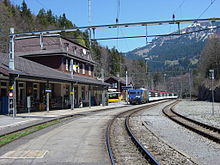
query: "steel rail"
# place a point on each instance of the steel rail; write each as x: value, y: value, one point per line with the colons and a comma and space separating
x: 202, y: 129
x: 141, y: 148
x: 108, y: 142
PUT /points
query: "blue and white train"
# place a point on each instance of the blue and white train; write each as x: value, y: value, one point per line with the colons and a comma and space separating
x: 140, y: 96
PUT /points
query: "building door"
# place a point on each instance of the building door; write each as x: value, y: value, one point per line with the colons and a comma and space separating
x: 36, y: 96
x: 76, y: 101
x: 3, y: 98
x: 21, y: 104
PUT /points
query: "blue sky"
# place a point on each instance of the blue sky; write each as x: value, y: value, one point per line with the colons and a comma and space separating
x: 105, y: 12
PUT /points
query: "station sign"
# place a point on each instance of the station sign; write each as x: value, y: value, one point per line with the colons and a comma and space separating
x: 48, y: 90
x: 126, y: 87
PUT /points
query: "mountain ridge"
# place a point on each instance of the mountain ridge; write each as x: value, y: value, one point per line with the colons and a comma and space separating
x: 176, y: 51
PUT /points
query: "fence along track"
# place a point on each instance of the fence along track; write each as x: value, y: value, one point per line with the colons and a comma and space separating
x: 202, y: 129
x: 146, y: 154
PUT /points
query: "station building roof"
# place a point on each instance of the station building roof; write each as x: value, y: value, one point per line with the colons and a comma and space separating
x: 52, y: 45
x: 32, y: 70
x: 122, y: 80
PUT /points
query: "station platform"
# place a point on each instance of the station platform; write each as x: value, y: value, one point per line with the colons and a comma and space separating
x: 9, y: 124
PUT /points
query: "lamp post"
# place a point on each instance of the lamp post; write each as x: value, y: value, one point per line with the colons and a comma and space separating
x: 126, y: 78
x: 211, y: 71
x: 146, y: 59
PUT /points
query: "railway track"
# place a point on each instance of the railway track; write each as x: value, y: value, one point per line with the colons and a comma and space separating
x: 205, y: 130
x: 123, y: 146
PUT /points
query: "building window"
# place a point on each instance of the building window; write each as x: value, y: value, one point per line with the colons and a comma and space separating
x: 84, y: 51
x: 78, y: 67
x: 114, y: 85
x: 90, y: 72
x: 81, y: 52
x: 67, y: 64
x: 83, y: 93
x: 36, y: 91
x: 66, y: 45
x: 83, y: 68
x: 74, y: 50
x: 3, y: 89
x: 3, y: 84
x: 71, y: 65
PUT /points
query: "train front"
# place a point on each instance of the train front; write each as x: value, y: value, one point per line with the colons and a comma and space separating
x: 134, y: 96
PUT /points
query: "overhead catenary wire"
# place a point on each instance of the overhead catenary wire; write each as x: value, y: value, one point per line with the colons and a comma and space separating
x: 90, y: 12
x: 41, y: 4
x: 117, y: 21
x: 160, y: 35
x: 126, y: 43
x: 125, y: 25
x: 118, y: 11
x: 212, y: 2
x: 181, y: 4
x: 142, y: 36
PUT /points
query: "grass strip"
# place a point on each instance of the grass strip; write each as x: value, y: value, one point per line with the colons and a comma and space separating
x: 13, y: 136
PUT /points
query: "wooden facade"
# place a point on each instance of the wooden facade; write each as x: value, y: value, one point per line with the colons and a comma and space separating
x: 47, y: 63
x: 58, y: 53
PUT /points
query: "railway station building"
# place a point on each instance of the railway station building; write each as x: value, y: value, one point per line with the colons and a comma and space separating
x: 54, y: 65
x: 118, y: 84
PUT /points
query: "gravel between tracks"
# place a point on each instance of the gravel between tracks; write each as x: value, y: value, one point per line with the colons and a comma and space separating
x: 200, y: 111
x: 200, y: 149
x: 162, y: 152
x: 124, y: 150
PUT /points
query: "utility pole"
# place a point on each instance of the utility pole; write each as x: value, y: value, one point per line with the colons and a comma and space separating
x: 90, y: 11
x: 90, y: 20
x: 89, y: 96
x: 72, y: 96
x: 126, y: 82
x: 12, y: 82
x: 103, y: 92
x: 211, y: 71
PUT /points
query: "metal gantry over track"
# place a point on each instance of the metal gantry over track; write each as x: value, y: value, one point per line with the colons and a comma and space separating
x: 13, y: 36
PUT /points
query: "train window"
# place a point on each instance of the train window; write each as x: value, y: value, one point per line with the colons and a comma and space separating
x: 131, y: 92
x: 135, y: 92
x: 152, y: 94
x: 113, y: 95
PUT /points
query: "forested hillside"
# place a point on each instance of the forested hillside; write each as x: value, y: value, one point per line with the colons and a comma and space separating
x: 209, y: 60
x: 176, y: 52
x: 23, y: 20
